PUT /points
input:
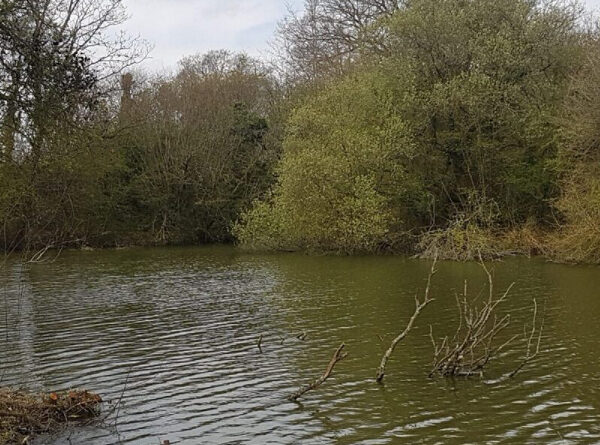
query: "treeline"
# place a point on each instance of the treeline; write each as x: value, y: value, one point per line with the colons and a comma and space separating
x: 455, y: 128
x: 435, y: 127
x: 93, y: 155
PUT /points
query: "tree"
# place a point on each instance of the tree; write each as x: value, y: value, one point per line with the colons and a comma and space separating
x: 199, y: 150
x: 54, y: 55
x: 345, y: 181
x: 455, y: 118
x: 578, y: 206
x: 490, y: 77
x: 58, y: 59
x: 326, y: 38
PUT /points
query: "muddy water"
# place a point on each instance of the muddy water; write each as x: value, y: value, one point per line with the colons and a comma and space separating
x: 173, y: 333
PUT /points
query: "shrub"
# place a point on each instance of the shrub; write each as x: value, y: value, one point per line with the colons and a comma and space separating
x: 578, y: 239
x: 343, y: 183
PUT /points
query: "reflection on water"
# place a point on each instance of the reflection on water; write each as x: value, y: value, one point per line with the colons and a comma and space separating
x: 177, y: 329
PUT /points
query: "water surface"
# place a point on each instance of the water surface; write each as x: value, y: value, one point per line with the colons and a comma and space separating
x: 173, y: 334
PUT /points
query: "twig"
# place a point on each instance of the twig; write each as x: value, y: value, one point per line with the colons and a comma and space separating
x: 259, y: 344
x: 337, y: 356
x: 118, y: 409
x: 472, y: 346
x: 529, y: 356
x: 419, y: 306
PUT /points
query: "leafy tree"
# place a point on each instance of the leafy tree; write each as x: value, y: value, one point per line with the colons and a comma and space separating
x: 469, y: 89
x: 578, y: 236
x: 198, y: 151
x: 490, y: 76
x: 344, y: 181
x: 56, y: 57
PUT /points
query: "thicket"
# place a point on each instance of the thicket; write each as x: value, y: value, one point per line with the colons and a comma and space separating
x: 92, y: 155
x: 197, y: 150
x: 463, y: 130
x: 578, y: 204
x: 454, y: 128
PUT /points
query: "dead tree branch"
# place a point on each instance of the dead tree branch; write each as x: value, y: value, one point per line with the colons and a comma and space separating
x: 337, y: 356
x: 529, y: 354
x: 419, y: 306
x: 474, y: 344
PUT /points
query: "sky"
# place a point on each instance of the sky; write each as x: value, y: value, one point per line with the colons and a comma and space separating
x: 178, y: 28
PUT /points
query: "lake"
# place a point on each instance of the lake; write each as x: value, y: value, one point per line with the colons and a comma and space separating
x: 173, y: 332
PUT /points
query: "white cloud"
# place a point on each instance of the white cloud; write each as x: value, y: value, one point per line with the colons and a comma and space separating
x: 177, y: 28
x: 593, y: 4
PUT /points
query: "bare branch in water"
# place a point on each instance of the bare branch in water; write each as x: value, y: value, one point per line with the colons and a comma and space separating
x: 474, y: 344
x: 531, y: 354
x: 419, y: 306
x: 337, y: 356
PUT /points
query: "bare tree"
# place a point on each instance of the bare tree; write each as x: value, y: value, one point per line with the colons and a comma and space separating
x: 54, y: 57
x: 327, y: 35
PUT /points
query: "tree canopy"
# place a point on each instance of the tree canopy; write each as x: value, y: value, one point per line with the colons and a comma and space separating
x: 447, y: 127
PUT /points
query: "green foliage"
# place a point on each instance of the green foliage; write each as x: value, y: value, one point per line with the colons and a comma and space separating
x: 461, y: 103
x: 343, y: 183
x: 63, y: 199
x: 578, y: 235
x: 198, y: 152
x: 446, y: 127
x: 578, y: 239
x: 490, y: 79
x: 178, y: 164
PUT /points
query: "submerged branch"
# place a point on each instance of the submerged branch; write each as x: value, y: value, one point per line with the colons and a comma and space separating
x: 337, y: 356
x: 529, y: 354
x: 419, y: 306
x: 474, y: 344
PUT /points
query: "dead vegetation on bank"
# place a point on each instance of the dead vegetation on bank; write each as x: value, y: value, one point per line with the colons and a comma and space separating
x: 463, y: 240
x: 24, y: 415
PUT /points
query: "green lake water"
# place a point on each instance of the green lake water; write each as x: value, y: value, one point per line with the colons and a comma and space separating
x: 174, y: 332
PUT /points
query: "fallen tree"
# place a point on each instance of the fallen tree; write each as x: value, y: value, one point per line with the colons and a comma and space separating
x: 474, y: 344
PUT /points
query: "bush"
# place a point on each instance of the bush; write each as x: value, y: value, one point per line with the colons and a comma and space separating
x: 490, y: 77
x: 66, y: 198
x: 578, y: 239
x: 578, y: 235
x: 343, y: 184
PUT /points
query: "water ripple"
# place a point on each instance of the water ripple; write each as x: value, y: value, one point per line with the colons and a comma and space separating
x: 175, y: 332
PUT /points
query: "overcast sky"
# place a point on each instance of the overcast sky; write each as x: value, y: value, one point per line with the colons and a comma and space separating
x: 179, y: 28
